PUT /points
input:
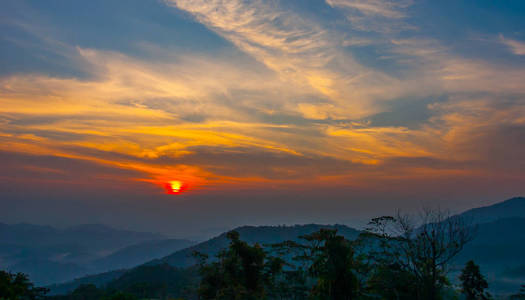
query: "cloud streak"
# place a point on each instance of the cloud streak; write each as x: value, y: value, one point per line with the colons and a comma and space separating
x: 517, y: 47
x: 301, y: 105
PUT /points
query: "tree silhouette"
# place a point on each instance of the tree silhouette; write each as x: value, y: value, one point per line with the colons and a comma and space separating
x: 325, y: 264
x: 332, y: 264
x: 240, y: 272
x: 18, y: 287
x: 386, y: 277
x: 473, y: 283
x: 423, y: 251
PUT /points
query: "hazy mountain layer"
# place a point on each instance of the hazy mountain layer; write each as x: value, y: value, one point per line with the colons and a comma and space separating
x: 498, y: 246
x: 49, y: 255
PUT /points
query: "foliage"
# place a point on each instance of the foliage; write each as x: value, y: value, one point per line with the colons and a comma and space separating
x: 18, y: 287
x: 473, y: 283
x: 143, y: 282
x: 421, y: 255
x: 385, y: 277
x: 392, y: 259
x: 156, y: 281
x: 240, y: 272
x: 333, y: 264
x: 326, y: 265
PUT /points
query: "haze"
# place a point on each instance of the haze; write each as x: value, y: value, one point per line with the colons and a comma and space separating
x: 264, y: 112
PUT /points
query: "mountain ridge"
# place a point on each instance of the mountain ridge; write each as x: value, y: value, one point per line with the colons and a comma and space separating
x: 265, y: 235
x: 183, y: 258
x: 490, y: 224
x: 512, y: 207
x: 49, y: 255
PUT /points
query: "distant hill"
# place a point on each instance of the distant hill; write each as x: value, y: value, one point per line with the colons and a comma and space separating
x: 183, y: 258
x: 46, y: 271
x: 98, y: 279
x: 499, y: 250
x: 139, y: 253
x: 163, y: 280
x: 514, y: 207
x: 499, y: 243
x: 498, y: 247
x: 49, y: 255
x: 91, y: 237
x: 251, y: 234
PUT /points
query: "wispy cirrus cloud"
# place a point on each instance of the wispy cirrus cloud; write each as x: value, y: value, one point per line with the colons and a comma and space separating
x: 383, y: 8
x: 294, y: 47
x: 517, y: 47
x: 383, y: 16
x: 302, y: 103
x: 304, y: 52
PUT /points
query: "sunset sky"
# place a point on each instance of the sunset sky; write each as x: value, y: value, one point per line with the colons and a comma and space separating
x: 192, y: 116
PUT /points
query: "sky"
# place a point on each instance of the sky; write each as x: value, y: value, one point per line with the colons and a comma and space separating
x: 189, y: 117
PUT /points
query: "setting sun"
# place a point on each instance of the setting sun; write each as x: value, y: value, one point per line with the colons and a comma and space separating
x: 175, y: 187
x: 222, y: 126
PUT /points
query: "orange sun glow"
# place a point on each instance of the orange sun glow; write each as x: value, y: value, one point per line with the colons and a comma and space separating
x: 175, y: 187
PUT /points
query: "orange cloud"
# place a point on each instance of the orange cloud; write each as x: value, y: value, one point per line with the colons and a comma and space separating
x: 302, y: 107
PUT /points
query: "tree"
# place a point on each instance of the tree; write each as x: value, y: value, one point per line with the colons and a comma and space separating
x: 424, y: 251
x: 240, y: 272
x: 332, y: 264
x: 326, y: 263
x: 156, y: 281
x: 18, y: 287
x: 473, y: 283
x: 390, y: 281
x: 384, y: 276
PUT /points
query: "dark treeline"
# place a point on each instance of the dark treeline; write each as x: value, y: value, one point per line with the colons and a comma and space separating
x: 18, y: 286
x: 394, y: 258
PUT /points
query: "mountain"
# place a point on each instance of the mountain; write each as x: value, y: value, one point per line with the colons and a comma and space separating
x: 514, y: 207
x: 499, y: 239
x: 498, y: 246
x: 49, y: 255
x: 92, y: 237
x: 499, y: 249
x: 161, y: 281
x: 251, y: 234
x: 183, y: 258
x: 44, y: 271
x: 139, y: 253
x: 98, y: 279
x: 499, y: 243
